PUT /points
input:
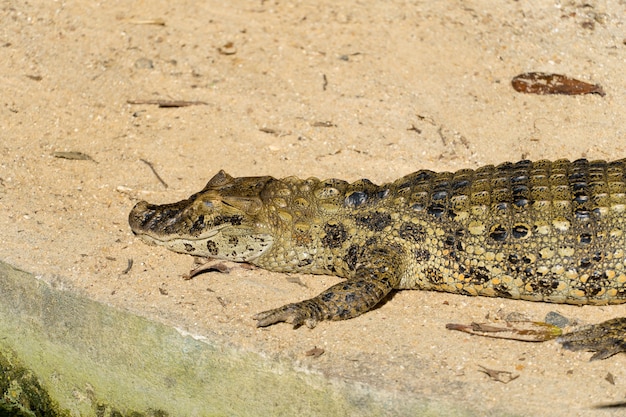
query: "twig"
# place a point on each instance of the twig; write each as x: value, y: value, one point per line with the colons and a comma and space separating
x: 168, y: 103
x: 156, y: 174
x: 129, y: 267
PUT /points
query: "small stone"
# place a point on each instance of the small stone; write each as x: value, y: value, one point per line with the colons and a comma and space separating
x: 144, y: 63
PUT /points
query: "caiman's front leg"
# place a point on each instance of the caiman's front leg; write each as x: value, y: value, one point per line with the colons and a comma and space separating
x: 379, y: 272
x: 606, y: 338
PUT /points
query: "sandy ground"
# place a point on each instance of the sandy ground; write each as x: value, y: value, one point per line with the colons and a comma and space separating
x: 349, y: 90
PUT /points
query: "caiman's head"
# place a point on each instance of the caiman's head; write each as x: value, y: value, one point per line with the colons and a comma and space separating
x: 221, y: 221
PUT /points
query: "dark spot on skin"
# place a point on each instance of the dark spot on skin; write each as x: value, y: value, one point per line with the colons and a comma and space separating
x: 582, y: 214
x: 352, y: 256
x: 416, y: 178
x: 233, y: 240
x: 544, y: 285
x: 434, y: 276
x: 502, y: 291
x: 520, y: 195
x: 436, y: 210
x: 383, y: 193
x: 439, y: 195
x: 305, y: 262
x: 498, y: 233
x: 369, y: 194
x: 235, y: 220
x: 479, y: 275
x: 421, y: 255
x: 343, y: 314
x: 212, y: 247
x: 585, y: 238
x: 460, y: 184
x: 520, y: 231
x: 328, y: 296
x: 595, y: 284
x: 502, y: 206
x: 189, y: 248
x: 197, y: 226
x: 335, y: 235
x: 585, y: 263
x: 514, y: 258
x: 521, y: 202
x: 375, y: 221
x: 412, y: 232
x: 356, y: 199
x: 581, y: 198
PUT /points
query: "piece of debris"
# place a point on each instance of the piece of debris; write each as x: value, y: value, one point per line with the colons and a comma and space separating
x: 144, y: 63
x: 128, y: 267
x: 207, y: 267
x: 558, y: 320
x: 169, y: 103
x: 547, y: 83
x: 296, y: 280
x: 610, y: 378
x: 73, y: 155
x: 500, y: 376
x: 326, y: 123
x: 315, y: 352
x: 156, y: 174
x: 227, y: 49
x: 274, y: 132
x: 156, y: 22
x: 529, y: 331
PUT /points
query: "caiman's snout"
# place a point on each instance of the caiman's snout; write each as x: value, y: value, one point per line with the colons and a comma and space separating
x: 141, y: 215
x: 156, y: 220
x: 164, y: 222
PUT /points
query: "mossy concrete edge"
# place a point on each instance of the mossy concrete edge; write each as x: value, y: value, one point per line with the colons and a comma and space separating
x: 91, y: 357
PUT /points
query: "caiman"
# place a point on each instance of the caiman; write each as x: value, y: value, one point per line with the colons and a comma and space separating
x: 538, y: 231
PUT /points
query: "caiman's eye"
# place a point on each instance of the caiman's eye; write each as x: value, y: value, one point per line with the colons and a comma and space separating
x: 209, y: 205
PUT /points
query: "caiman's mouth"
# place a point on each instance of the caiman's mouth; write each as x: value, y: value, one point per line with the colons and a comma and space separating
x: 156, y: 238
x: 163, y: 223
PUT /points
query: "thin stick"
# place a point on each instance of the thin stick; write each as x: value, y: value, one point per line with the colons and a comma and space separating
x: 156, y: 174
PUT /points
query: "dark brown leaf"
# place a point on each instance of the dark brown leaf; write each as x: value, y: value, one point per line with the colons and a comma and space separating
x: 546, y: 83
x: 315, y: 352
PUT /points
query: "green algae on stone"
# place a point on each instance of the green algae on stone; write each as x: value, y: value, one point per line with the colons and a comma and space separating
x: 22, y: 392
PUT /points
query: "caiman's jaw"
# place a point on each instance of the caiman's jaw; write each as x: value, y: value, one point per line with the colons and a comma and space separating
x: 213, y: 223
x: 169, y: 226
x: 168, y: 222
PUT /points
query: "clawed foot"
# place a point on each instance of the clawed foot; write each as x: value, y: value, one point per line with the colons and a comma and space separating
x: 606, y: 338
x: 295, y: 314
